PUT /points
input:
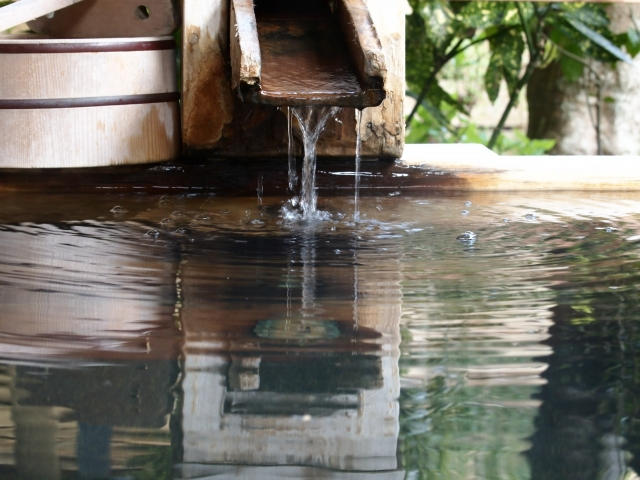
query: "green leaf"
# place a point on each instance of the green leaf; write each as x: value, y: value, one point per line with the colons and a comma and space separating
x: 598, y: 39
x: 505, y: 62
x: 492, y: 79
x: 571, y: 68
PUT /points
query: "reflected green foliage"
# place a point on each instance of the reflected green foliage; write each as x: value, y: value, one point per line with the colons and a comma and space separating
x: 590, y: 413
x: 157, y: 465
x: 520, y: 37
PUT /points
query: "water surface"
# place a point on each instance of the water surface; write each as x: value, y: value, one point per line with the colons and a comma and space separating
x: 439, y: 337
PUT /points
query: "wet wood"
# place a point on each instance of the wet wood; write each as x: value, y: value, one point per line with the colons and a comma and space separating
x: 425, y: 169
x: 291, y: 56
x: 110, y: 18
x: 207, y: 102
x: 475, y: 168
x: 363, y: 42
x: 246, y: 61
x: 25, y: 10
x: 82, y: 103
x: 216, y: 120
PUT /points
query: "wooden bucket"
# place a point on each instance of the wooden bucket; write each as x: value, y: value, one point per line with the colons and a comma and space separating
x: 87, y: 102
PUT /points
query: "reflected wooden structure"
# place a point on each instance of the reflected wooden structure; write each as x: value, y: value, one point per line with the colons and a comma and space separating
x: 280, y: 384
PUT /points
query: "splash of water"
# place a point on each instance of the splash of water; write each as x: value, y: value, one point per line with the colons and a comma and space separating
x: 312, y: 122
x: 260, y: 189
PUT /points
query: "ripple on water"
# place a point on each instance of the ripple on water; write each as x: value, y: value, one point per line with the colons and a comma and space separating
x: 511, y: 359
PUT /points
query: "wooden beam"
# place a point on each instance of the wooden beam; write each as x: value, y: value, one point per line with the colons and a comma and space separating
x: 246, y: 61
x: 23, y: 11
x: 476, y: 168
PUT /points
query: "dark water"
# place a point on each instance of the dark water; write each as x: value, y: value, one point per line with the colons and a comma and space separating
x: 195, y: 336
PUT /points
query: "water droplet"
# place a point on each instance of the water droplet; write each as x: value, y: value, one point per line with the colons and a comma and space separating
x: 118, y: 210
x: 153, y: 233
x: 468, y: 237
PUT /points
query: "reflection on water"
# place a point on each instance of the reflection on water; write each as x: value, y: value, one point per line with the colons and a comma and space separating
x: 202, y: 337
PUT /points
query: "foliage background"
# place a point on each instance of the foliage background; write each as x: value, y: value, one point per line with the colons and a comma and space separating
x: 517, y: 37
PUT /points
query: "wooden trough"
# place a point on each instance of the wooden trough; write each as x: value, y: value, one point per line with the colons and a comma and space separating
x: 287, y: 53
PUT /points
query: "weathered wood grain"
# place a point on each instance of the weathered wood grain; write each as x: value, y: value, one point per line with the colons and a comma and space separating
x: 110, y: 18
x: 207, y: 103
x: 87, y: 108
x: 215, y: 120
x: 246, y: 60
x: 25, y: 10
x: 475, y: 168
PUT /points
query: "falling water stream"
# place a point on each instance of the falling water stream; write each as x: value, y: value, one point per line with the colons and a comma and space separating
x: 356, y: 198
x: 293, y: 177
x: 312, y: 122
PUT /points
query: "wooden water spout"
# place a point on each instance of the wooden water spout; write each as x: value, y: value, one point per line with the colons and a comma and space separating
x: 242, y: 62
x: 316, y: 54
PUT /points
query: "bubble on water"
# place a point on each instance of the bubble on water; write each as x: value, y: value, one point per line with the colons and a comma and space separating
x: 468, y: 203
x: 337, y: 251
x: 506, y: 220
x: 181, y: 231
x: 394, y: 194
x: 153, y: 234
x: 464, y: 212
x: 467, y: 237
x: 118, y: 210
x: 423, y: 202
x: 379, y: 208
x: 257, y: 221
x: 531, y: 217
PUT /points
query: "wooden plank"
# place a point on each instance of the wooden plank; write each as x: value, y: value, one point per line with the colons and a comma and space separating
x: 89, y: 136
x: 110, y: 18
x: 213, y: 119
x: 23, y: 11
x: 207, y: 103
x: 82, y: 103
x: 475, y: 168
x: 362, y: 40
x: 85, y: 74
x: 246, y: 61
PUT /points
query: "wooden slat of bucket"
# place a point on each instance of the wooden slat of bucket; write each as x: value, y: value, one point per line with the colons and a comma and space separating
x: 86, y: 103
x: 89, y: 136
x: 56, y: 73
x: 25, y: 10
x: 111, y: 18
